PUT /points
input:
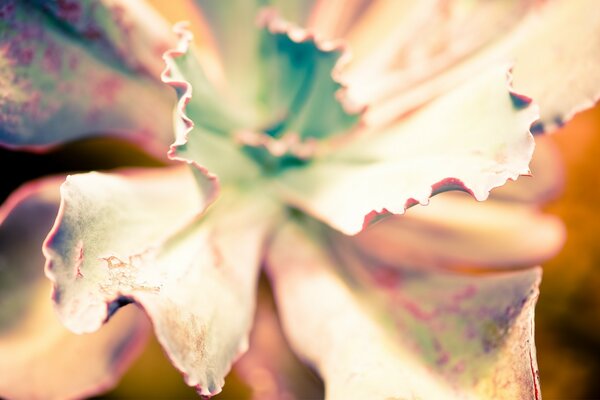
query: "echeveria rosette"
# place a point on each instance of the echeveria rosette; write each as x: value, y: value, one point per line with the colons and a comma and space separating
x: 97, y: 270
x: 72, y: 69
x: 160, y: 239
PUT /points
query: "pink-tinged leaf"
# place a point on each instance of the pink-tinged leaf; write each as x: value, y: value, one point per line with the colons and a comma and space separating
x: 400, y: 44
x: 386, y: 28
x: 552, y: 65
x: 105, y: 218
x: 131, y: 32
x: 56, y: 87
x: 40, y: 358
x: 475, y: 330
x: 557, y: 59
x: 139, y: 239
x: 269, y: 367
x: 377, y: 333
x: 378, y: 29
x: 473, y: 139
x: 454, y: 231
x: 328, y: 326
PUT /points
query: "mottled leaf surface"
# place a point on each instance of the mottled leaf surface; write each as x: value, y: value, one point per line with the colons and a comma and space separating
x: 378, y: 333
x: 40, y: 359
x: 57, y: 87
x: 140, y: 239
x: 107, y: 219
x: 130, y: 32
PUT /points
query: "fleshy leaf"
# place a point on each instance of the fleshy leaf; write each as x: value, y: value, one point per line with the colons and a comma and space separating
x: 202, y: 142
x: 299, y: 98
x: 474, y: 330
x: 543, y: 46
x: 454, y: 232
x: 424, y: 335
x: 401, y: 44
x: 40, y: 358
x: 136, y: 240
x: 328, y: 327
x: 56, y: 89
x: 105, y: 218
x: 383, y: 29
x: 554, y: 65
x: 133, y: 33
x: 300, y: 82
x: 473, y: 139
x: 208, y: 106
x: 237, y: 39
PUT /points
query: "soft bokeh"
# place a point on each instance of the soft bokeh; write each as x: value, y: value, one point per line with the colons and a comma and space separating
x: 568, y: 311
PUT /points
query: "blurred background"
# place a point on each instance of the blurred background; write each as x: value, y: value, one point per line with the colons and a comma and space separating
x: 568, y: 311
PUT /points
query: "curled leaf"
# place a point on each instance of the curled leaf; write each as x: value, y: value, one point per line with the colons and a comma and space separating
x: 473, y: 139
x: 543, y: 45
x: 40, y: 358
x: 139, y: 238
x: 454, y: 232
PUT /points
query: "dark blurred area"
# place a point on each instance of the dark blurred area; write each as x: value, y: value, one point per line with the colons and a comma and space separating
x: 568, y: 312
x: 19, y: 167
